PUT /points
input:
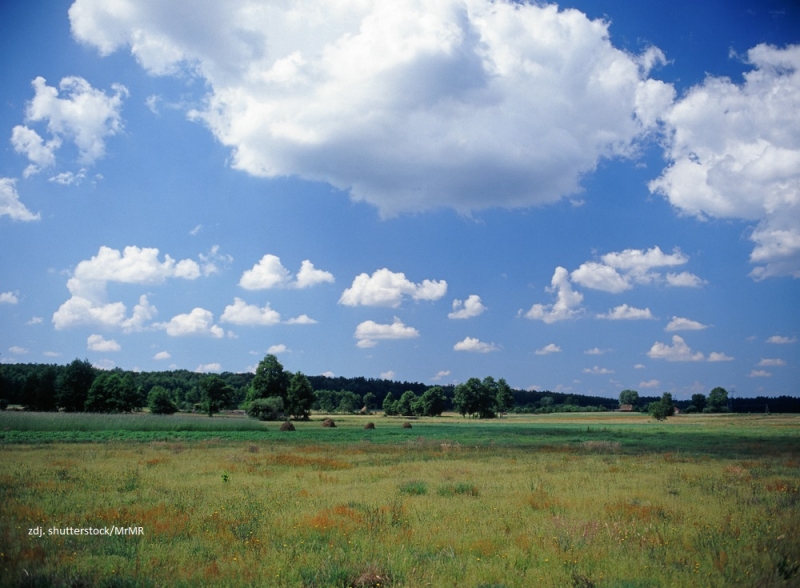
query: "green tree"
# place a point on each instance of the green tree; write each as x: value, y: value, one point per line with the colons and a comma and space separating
x: 432, y: 402
x: 389, y: 405
x: 476, y: 398
x: 349, y: 402
x: 504, y: 399
x: 159, y: 400
x: 74, y: 384
x: 698, y: 402
x: 629, y: 397
x: 405, y: 406
x: 216, y: 394
x: 663, y: 408
x: 718, y: 400
x: 299, y: 396
x: 105, y: 393
x: 270, y: 380
x: 266, y: 409
x: 369, y: 400
x: 39, y: 390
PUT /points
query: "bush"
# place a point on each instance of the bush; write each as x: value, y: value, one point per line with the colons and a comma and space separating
x: 266, y: 409
x: 160, y: 401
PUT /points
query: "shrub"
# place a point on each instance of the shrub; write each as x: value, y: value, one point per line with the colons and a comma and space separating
x: 160, y: 401
x: 266, y: 409
x: 414, y: 488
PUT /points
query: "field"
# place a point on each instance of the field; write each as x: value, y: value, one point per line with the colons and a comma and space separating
x: 581, y: 500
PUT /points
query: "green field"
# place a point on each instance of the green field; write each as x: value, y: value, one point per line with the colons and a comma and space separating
x: 580, y: 500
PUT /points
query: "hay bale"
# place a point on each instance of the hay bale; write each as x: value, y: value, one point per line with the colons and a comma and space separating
x: 369, y: 426
x: 406, y: 425
x: 287, y: 426
x: 328, y: 423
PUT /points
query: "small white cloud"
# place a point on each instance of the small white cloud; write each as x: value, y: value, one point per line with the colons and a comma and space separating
x: 270, y: 273
x: 441, y: 374
x: 211, y: 262
x: 8, y: 298
x: 387, y: 288
x: 627, y: 313
x: 771, y: 362
x: 326, y: 374
x: 276, y: 349
x: 639, y: 366
x: 10, y: 204
x: 469, y: 308
x: 759, y: 374
x: 717, y: 356
x: 162, y: 355
x: 600, y: 277
x: 198, y: 322
x: 596, y: 351
x: 474, y: 345
x: 196, y: 231
x: 650, y: 384
x: 369, y: 332
x: 597, y: 371
x: 685, y: 280
x: 388, y: 375
x: 16, y: 350
x: 35, y: 320
x: 205, y: 368
x: 69, y: 178
x: 241, y: 313
x: 567, y: 303
x: 683, y: 324
x: 51, y: 354
x: 104, y: 364
x: 98, y: 343
x: 548, y: 349
x: 303, y: 319
x: 781, y: 340
x: 678, y: 351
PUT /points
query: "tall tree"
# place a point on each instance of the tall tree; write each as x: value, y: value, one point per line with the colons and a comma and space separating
x: 216, y: 394
x: 476, y: 398
x: 504, y: 399
x: 300, y: 397
x: 718, y: 399
x: 699, y: 401
x: 628, y: 397
x: 74, y: 384
x: 432, y: 402
x: 270, y: 380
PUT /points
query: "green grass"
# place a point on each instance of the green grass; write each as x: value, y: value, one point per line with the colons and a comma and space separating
x: 576, y: 501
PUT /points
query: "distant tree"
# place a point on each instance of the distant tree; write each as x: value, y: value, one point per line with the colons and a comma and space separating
x: 718, y: 400
x: 327, y: 400
x: 349, y: 402
x: 698, y: 402
x: 39, y: 390
x: 128, y: 397
x: 270, y: 380
x: 299, y: 396
x: 105, y: 393
x: 405, y: 406
x: 663, y: 408
x: 432, y: 402
x: 74, y: 384
x: 159, y: 400
x: 369, y: 400
x: 216, y: 394
x: 389, y: 405
x: 266, y: 409
x: 476, y: 398
x: 504, y: 399
x: 629, y: 397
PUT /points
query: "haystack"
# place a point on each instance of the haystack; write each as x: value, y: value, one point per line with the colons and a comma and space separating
x: 369, y: 426
x: 287, y: 426
x: 328, y: 423
x: 406, y: 425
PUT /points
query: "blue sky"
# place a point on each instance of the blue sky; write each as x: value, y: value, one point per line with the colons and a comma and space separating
x: 583, y: 198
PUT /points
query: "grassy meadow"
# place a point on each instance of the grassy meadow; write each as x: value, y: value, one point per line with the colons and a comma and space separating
x: 605, y: 500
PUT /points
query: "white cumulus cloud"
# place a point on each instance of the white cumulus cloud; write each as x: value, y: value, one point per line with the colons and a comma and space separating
x: 276, y: 349
x: 718, y: 356
x: 241, y: 313
x: 759, y: 374
x: 205, y: 368
x: 650, y: 384
x: 99, y: 343
x: 771, y: 362
x: 474, y: 345
x: 406, y: 105
x: 303, y: 319
x: 468, y: 308
x: 8, y: 298
x: 10, y: 204
x: 597, y: 371
x: 387, y: 288
x: 548, y: 349
x: 198, y: 322
x: 369, y: 332
x: 269, y: 272
x: 626, y: 313
x: 161, y: 355
x: 781, y: 340
x: 678, y: 351
x: 620, y: 270
x: 567, y: 304
x: 679, y: 323
x: 734, y: 151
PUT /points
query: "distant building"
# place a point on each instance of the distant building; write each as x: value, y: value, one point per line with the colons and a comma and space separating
x: 626, y: 408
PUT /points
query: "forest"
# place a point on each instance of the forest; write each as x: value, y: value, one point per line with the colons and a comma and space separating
x: 80, y: 387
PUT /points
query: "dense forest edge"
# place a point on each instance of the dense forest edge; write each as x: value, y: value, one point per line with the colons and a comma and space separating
x: 273, y: 393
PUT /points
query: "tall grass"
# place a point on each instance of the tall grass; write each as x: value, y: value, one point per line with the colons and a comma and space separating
x: 59, y: 421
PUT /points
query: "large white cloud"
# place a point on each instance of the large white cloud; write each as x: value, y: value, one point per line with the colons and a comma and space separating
x: 134, y: 265
x: 86, y: 116
x: 10, y: 204
x: 680, y: 351
x: 734, y: 152
x: 241, y: 313
x: 197, y: 322
x: 567, y: 304
x: 369, y: 332
x: 464, y: 309
x: 407, y: 105
x: 270, y: 273
x: 387, y: 288
x: 100, y: 343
